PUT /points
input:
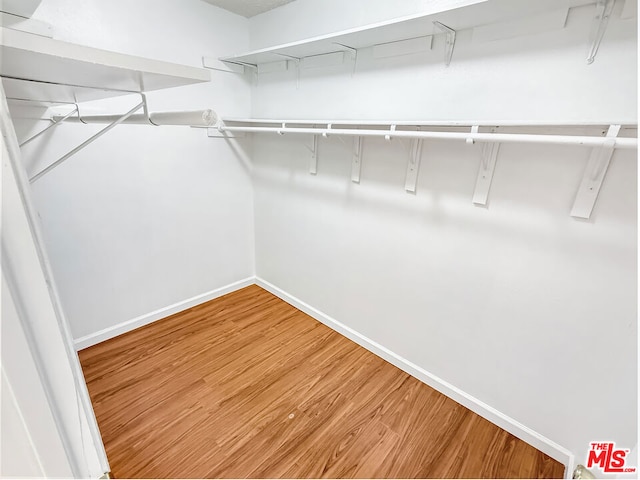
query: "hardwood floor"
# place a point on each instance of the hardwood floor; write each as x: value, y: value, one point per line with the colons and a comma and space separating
x: 248, y: 386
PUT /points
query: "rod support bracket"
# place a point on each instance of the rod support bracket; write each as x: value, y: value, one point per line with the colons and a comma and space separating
x: 391, y: 130
x: 356, y: 162
x: 313, y: 166
x: 413, y: 166
x: 489, y: 159
x: 594, y: 175
x: 470, y: 140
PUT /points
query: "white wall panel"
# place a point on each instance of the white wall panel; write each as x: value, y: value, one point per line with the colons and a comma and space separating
x: 145, y: 217
x: 517, y: 304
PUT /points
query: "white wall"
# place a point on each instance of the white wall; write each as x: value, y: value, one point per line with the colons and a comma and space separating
x: 519, y: 305
x: 144, y: 217
x: 533, y: 78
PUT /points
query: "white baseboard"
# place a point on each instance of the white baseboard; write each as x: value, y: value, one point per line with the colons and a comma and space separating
x: 114, y: 331
x: 496, y: 417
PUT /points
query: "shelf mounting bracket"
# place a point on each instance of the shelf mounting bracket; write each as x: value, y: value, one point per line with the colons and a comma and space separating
x: 489, y: 158
x: 599, y: 26
x: 450, y: 41
x: 594, y: 176
x: 352, y: 51
x: 354, y: 56
x: 413, y: 166
x: 296, y: 62
x: 356, y: 162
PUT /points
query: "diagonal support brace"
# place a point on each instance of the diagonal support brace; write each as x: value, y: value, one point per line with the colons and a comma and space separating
x: 594, y: 176
x: 54, y: 124
x: 87, y: 142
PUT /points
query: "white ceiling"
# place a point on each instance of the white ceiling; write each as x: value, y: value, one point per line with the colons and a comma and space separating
x: 248, y: 8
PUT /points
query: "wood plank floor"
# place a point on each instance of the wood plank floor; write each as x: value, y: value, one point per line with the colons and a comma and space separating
x: 248, y: 386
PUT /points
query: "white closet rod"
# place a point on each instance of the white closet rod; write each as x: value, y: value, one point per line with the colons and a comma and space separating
x: 194, y: 118
x: 588, y: 141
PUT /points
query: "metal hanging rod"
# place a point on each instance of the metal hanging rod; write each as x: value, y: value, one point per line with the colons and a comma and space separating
x: 588, y: 141
x: 87, y: 142
x: 193, y: 118
x: 197, y: 118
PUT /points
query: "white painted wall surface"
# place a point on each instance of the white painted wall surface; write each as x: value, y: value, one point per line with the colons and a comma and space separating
x: 519, y: 305
x: 534, y: 78
x: 145, y: 217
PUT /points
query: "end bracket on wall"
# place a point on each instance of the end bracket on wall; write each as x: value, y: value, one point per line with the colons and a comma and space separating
x: 450, y: 41
x: 599, y: 26
x: 594, y: 176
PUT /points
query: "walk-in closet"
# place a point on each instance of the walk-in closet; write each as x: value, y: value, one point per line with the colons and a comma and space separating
x: 319, y: 238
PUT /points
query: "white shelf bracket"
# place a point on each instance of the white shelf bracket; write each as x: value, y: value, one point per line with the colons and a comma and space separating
x: 250, y: 66
x: 313, y: 166
x: 352, y: 51
x: 599, y: 26
x: 356, y: 163
x: 354, y: 56
x: 489, y: 155
x: 413, y: 166
x: 450, y: 41
x: 223, y: 65
x: 283, y: 127
x: 296, y: 62
x: 594, y: 176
